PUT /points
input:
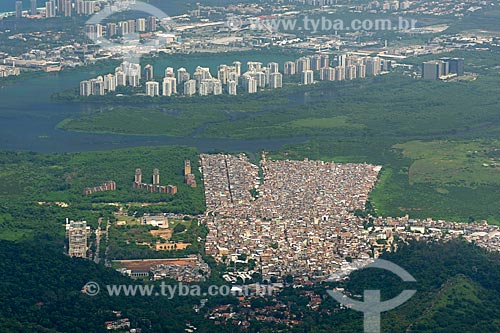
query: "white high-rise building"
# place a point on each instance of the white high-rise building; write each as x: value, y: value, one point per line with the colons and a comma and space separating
x: 33, y: 10
x: 315, y: 62
x: 111, y: 29
x: 77, y: 233
x: 250, y: 84
x: 169, y: 86
x: 275, y: 80
x: 237, y: 66
x: 339, y: 73
x: 152, y: 88
x: 254, y: 66
x: 233, y: 76
x: 149, y: 73
x: 110, y: 82
x: 133, y: 79
x: 303, y: 64
x: 189, y: 88
x: 182, y: 75
x: 261, y: 79
x: 97, y: 86
x: 121, y: 78
x: 124, y: 28
x: 90, y: 31
x: 98, y: 30
x: 67, y: 8
x: 201, y: 73
x: 140, y: 24
x: 131, y: 68
x: 85, y: 88
x: 372, y: 66
x: 217, y: 87
x: 342, y: 60
x: 361, y: 71
x: 169, y: 72
x: 289, y: 68
x: 307, y: 77
x: 131, y: 26
x: 19, y: 9
x: 204, y: 89
x: 232, y: 88
x: 327, y: 74
x: 79, y: 7
x: 325, y: 61
x: 89, y: 7
x: 273, y: 67
x: 350, y: 72
x: 223, y: 73
x: 50, y: 9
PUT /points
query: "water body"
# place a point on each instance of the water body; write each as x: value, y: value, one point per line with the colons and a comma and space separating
x: 28, y: 118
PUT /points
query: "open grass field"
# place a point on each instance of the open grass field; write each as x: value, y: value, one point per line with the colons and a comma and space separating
x: 466, y: 163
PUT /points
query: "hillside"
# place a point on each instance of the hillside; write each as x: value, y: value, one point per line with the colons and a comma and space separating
x: 457, y: 291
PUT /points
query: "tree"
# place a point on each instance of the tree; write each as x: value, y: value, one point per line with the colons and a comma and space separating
x: 179, y: 228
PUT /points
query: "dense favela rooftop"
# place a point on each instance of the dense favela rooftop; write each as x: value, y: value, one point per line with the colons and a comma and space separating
x: 296, y: 217
x: 289, y: 220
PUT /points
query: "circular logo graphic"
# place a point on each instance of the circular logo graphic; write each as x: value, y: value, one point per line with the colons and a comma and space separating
x: 234, y: 23
x: 91, y: 288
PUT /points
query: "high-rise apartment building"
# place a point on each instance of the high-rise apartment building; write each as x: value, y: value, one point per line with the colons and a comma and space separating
x: 273, y: 67
x: 34, y: 6
x: 237, y: 66
x: 140, y: 25
x: 169, y: 86
x: 182, y: 75
x: 77, y: 233
x: 432, y: 70
x: 151, y: 23
x: 327, y: 74
x: 249, y: 83
x: 339, y: 73
x: 275, y: 80
x: 156, y: 177
x: 303, y: 64
x: 232, y: 88
x: 67, y: 8
x: 50, y: 10
x: 111, y: 29
x: 19, y: 9
x: 372, y: 66
x: 138, y: 176
x: 350, y: 72
x: 85, y: 88
x: 307, y: 77
x: 289, y: 68
x: 361, y: 71
x: 148, y: 73
x: 189, y: 88
x: 110, y: 82
x: 152, y: 88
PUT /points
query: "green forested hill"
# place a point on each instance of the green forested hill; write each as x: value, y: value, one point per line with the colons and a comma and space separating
x: 457, y: 291
x: 40, y: 291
